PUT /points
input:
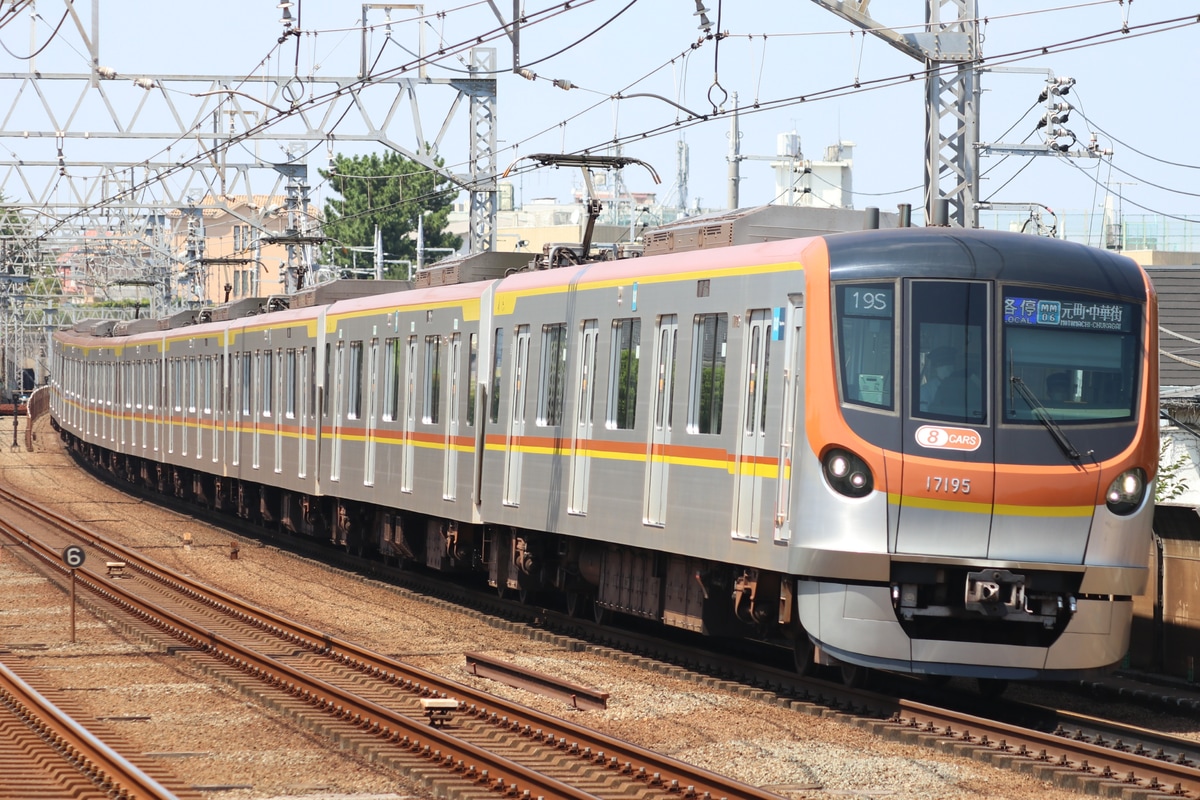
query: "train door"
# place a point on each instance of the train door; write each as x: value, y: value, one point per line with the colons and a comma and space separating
x: 202, y: 407
x: 276, y: 406
x: 790, y: 418
x: 585, y: 393
x: 339, y: 381
x: 174, y: 401
x: 241, y: 404
x: 126, y: 421
x: 204, y: 413
x: 752, y: 434
x: 516, y: 421
x: 372, y: 412
x: 110, y: 409
x: 256, y: 406
x: 287, y: 400
x: 217, y: 401
x: 304, y: 385
x: 666, y: 336
x: 450, y: 459
x: 127, y: 430
x: 200, y: 375
x: 948, y: 440
x: 184, y: 403
x: 156, y: 385
x: 86, y: 388
x: 138, y: 376
x: 410, y: 414
x: 225, y: 401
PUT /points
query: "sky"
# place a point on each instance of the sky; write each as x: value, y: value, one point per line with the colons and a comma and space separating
x: 1134, y: 91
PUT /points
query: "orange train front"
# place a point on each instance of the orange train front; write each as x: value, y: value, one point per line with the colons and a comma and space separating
x: 981, y: 420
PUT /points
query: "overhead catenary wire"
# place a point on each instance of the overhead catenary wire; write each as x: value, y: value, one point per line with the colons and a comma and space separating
x: 45, y: 44
x: 300, y: 106
x: 314, y: 101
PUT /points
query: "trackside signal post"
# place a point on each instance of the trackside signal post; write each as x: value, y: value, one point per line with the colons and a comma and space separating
x: 73, y: 556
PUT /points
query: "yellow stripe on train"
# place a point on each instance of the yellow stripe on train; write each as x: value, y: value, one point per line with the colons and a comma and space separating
x: 995, y: 509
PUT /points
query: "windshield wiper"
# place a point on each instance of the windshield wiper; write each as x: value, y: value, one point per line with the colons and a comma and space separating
x: 1043, y: 415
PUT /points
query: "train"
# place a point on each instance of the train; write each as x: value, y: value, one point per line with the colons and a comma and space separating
x: 917, y: 450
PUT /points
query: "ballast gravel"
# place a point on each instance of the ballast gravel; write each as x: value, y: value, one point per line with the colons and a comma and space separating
x: 232, y: 749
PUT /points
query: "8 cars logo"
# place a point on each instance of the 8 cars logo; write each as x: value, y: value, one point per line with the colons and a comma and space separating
x: 941, y: 438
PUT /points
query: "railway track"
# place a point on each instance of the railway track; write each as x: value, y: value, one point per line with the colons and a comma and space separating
x: 1091, y: 754
x: 46, y: 753
x: 423, y: 725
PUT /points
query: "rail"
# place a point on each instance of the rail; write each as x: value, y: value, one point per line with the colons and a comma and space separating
x: 105, y: 768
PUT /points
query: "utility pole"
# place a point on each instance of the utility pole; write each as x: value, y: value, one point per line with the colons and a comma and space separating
x: 949, y: 49
x: 735, y: 157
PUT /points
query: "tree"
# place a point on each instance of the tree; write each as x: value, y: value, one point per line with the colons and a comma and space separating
x: 390, y: 191
x: 1171, y: 463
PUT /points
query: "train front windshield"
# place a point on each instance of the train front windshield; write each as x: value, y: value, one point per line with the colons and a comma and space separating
x: 1078, y: 355
x: 1074, y: 356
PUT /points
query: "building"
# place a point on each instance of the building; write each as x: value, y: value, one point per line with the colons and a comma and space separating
x: 233, y: 250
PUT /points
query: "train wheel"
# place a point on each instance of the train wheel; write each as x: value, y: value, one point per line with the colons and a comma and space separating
x: 602, y: 615
x: 802, y: 653
x: 991, y: 688
x: 854, y: 676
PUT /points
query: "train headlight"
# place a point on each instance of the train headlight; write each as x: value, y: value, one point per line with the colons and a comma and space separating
x: 1126, y: 492
x: 847, y: 473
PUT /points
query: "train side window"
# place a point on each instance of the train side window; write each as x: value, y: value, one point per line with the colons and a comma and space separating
x: 866, y: 343
x: 623, y: 374
x: 247, y: 381
x: 267, y: 385
x: 759, y: 362
x: 391, y: 379
x: 497, y: 359
x: 311, y: 376
x: 553, y: 378
x: 192, y: 384
x: 210, y: 371
x: 706, y: 400
x: 289, y: 384
x: 354, y: 382
x: 587, y: 368
x: 433, y: 379
x: 664, y: 395
x: 472, y: 376
x: 328, y: 378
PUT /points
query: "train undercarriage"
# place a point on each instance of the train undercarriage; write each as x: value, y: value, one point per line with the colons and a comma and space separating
x: 582, y: 576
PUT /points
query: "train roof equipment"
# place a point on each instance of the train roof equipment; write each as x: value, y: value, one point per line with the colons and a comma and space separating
x: 569, y: 253
x: 757, y: 224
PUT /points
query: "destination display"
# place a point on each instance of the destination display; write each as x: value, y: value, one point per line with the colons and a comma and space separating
x: 1088, y: 315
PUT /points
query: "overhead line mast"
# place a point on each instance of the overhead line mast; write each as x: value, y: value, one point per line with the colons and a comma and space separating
x: 949, y: 48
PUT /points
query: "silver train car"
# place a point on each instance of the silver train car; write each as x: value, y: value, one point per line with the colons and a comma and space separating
x: 920, y: 450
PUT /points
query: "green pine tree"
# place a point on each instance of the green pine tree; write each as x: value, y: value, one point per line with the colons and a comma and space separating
x: 390, y: 191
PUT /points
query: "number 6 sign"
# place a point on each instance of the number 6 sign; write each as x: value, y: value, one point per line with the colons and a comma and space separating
x: 73, y: 556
